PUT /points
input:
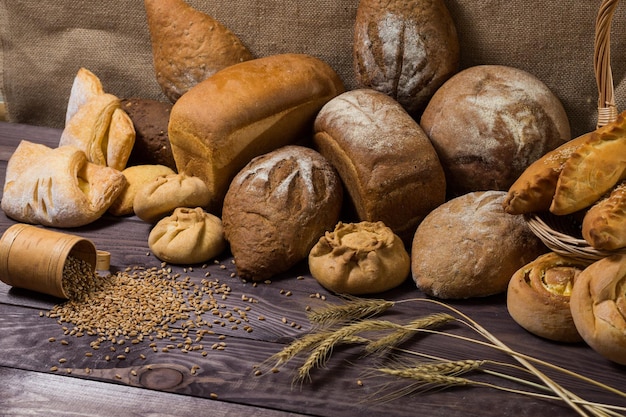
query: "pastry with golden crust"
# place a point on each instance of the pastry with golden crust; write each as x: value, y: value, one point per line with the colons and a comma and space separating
x: 598, y: 304
x: 604, y: 223
x: 359, y: 258
x: 538, y: 297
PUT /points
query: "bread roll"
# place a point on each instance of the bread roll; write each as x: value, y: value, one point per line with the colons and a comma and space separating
x: 598, y: 304
x: 57, y: 187
x: 150, y: 119
x: 405, y: 49
x: 387, y: 164
x: 592, y: 170
x: 277, y: 208
x: 359, y: 258
x: 469, y: 247
x: 244, y: 111
x: 538, y: 297
x: 188, y: 46
x: 137, y: 177
x: 488, y: 123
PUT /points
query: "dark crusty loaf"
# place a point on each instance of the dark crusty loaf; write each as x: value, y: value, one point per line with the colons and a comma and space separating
x: 387, y: 164
x: 277, y: 208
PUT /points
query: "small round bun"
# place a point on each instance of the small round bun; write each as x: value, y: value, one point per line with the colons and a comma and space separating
x: 598, y: 304
x: 137, y: 177
x: 538, y: 297
x: 359, y: 258
x: 469, y: 247
x: 488, y: 123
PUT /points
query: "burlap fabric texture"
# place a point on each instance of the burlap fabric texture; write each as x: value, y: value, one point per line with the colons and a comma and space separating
x: 45, y: 42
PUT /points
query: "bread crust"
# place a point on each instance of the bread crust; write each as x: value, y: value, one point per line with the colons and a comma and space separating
x: 244, y: 111
x: 387, y: 164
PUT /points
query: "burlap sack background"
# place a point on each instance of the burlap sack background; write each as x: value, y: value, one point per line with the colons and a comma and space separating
x: 44, y: 43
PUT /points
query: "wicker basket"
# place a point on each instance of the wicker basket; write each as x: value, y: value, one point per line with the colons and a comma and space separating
x: 562, y: 234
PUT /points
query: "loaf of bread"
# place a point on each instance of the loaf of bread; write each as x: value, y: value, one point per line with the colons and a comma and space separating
x: 188, y: 46
x: 593, y: 169
x: 150, y: 119
x: 277, y: 208
x: 469, y: 247
x: 598, y: 305
x: 387, y: 164
x: 534, y: 190
x: 57, y: 187
x: 246, y: 110
x: 405, y: 49
x: 359, y: 258
x: 538, y: 297
x: 488, y: 123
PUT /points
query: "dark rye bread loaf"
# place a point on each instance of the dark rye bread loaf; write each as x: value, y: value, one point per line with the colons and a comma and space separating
x: 276, y: 209
x: 386, y: 162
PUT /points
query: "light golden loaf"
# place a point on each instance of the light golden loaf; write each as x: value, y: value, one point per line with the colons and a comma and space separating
x: 593, y: 169
x: 385, y: 160
x: 538, y: 297
x: 598, y: 305
x: 244, y: 111
x: 58, y: 187
x: 188, y: 46
x: 359, y: 258
x: 604, y: 224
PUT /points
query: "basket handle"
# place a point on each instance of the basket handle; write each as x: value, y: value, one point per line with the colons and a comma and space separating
x: 607, y: 110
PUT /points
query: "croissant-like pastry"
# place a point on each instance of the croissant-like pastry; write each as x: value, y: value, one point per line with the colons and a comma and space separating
x: 604, y: 223
x: 57, y: 187
x: 593, y: 169
x: 538, y: 297
x: 359, y: 258
x: 598, y: 305
x: 86, y: 86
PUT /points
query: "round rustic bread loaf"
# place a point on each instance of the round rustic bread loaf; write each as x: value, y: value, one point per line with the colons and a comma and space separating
x: 405, y: 49
x: 277, y: 207
x: 469, y: 247
x: 387, y: 164
x: 152, y: 144
x: 489, y: 123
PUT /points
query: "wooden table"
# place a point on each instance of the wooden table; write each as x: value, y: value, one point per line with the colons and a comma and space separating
x: 223, y: 383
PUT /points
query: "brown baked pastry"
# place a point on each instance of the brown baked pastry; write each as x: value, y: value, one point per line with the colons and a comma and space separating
x: 57, y: 187
x: 405, y: 49
x: 469, y: 247
x: 188, y: 46
x: 533, y: 191
x: 277, y: 208
x: 604, y: 224
x: 593, y: 169
x: 359, y: 258
x: 136, y: 178
x: 86, y: 86
x: 244, y: 111
x: 163, y: 195
x: 598, y: 304
x: 488, y: 123
x: 538, y: 297
x: 188, y: 236
x: 150, y: 119
x: 387, y: 164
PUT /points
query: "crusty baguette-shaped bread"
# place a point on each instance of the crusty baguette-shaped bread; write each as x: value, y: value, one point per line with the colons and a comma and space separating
x: 405, y: 49
x: 389, y: 167
x: 277, y: 208
x: 604, y: 224
x: 246, y: 110
x: 86, y: 86
x: 592, y: 170
x: 188, y: 45
x: 533, y: 191
x: 598, y: 305
x: 538, y: 297
x: 57, y: 187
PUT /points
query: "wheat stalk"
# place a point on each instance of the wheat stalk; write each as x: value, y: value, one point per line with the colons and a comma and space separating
x: 353, y: 309
x: 402, y: 334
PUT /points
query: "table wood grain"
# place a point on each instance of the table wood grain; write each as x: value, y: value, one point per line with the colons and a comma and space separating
x: 149, y: 381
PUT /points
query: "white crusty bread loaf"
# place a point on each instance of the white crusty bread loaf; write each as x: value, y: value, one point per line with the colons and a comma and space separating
x: 246, y: 110
x: 386, y: 162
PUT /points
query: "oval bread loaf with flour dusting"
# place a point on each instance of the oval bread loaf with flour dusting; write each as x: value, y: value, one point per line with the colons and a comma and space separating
x: 244, y: 111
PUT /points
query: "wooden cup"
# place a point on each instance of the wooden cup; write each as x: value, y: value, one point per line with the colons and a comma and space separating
x: 33, y: 258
